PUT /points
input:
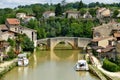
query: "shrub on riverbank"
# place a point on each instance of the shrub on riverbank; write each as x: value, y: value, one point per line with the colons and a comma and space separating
x: 110, y: 66
x: 11, y: 54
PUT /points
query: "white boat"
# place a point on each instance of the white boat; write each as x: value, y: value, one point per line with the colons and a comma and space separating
x: 81, y: 65
x: 22, y: 60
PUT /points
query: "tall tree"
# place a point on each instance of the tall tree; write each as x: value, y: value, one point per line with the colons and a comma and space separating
x: 81, y: 5
x: 58, y: 10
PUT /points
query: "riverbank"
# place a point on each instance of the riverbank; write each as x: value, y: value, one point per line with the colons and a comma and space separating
x: 110, y: 75
x: 7, y: 66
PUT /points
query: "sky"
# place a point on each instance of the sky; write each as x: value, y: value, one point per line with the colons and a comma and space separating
x: 15, y: 3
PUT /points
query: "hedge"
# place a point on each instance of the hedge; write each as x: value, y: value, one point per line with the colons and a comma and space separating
x: 110, y: 66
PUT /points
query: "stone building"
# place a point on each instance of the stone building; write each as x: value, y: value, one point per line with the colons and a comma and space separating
x: 105, y: 30
x: 103, y: 12
x: 72, y: 14
x: 12, y: 26
x: 20, y: 15
x: 87, y: 15
x: 48, y: 14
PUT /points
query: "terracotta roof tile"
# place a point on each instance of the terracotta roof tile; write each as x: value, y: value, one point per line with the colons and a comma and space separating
x: 13, y: 21
x: 117, y: 34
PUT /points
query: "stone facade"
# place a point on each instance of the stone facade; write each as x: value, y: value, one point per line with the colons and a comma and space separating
x: 105, y: 30
x: 15, y: 27
x: 20, y: 15
x: 72, y: 14
x: 103, y: 12
x: 87, y: 15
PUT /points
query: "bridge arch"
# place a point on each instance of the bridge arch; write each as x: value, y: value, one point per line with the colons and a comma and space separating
x: 56, y: 41
x: 75, y: 42
x: 70, y: 43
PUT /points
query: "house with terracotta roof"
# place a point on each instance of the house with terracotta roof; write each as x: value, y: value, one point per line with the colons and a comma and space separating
x: 72, y: 14
x: 104, y: 42
x: 48, y: 14
x: 105, y: 47
x: 13, y: 25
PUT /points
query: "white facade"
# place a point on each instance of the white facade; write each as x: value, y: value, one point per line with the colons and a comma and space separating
x: 20, y: 15
x: 48, y: 14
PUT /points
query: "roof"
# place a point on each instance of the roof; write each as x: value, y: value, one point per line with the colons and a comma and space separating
x: 102, y: 38
x: 101, y: 9
x: 3, y: 27
x: 107, y: 49
x: 105, y: 29
x: 13, y: 21
x: 117, y: 34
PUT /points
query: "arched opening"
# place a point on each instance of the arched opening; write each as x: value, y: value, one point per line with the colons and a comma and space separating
x: 65, y: 45
x: 42, y: 46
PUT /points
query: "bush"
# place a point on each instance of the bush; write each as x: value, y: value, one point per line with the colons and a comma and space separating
x: 110, y: 66
x: 11, y: 54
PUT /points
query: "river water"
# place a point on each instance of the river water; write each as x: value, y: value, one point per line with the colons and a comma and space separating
x: 50, y: 65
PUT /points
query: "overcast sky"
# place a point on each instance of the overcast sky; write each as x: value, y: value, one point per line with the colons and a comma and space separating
x: 15, y: 3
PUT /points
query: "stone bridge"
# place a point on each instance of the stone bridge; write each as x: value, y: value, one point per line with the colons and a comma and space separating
x: 75, y: 42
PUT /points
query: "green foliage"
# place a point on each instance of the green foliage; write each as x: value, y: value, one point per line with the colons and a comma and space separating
x: 26, y: 44
x: 80, y: 5
x: 38, y: 10
x: 58, y: 10
x: 110, y: 66
x: 82, y: 11
x: 11, y: 54
x: 115, y: 13
x: 92, y: 11
x: 11, y: 42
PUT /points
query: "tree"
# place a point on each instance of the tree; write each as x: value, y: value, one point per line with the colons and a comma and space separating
x: 82, y: 11
x: 38, y: 10
x: 58, y: 10
x: 81, y: 5
x: 92, y: 11
x: 27, y: 44
x: 115, y: 13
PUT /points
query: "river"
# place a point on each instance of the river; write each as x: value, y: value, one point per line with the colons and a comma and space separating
x: 50, y: 65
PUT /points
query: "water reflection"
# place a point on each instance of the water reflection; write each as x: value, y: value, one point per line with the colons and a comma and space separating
x: 54, y: 65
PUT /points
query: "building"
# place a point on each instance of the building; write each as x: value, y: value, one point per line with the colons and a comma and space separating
x: 20, y: 15
x: 72, y: 14
x: 103, y: 12
x: 87, y: 15
x: 105, y: 30
x: 48, y: 14
x: 104, y: 42
x: 28, y: 18
x: 13, y: 25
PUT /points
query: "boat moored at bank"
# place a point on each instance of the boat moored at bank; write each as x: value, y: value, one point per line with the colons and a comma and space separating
x: 22, y: 60
x: 81, y: 65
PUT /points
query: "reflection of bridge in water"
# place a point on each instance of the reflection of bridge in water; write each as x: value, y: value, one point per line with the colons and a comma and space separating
x: 75, y: 42
x: 69, y: 56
